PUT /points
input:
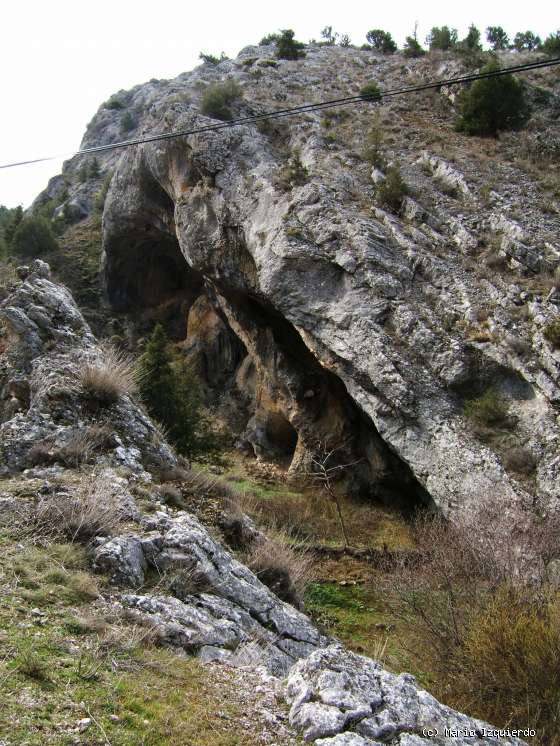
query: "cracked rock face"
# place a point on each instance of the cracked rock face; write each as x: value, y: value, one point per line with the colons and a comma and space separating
x: 44, y: 340
x: 349, y: 315
x: 343, y: 699
x: 217, y: 601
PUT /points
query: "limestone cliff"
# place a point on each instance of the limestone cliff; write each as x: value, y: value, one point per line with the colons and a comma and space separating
x: 340, y: 322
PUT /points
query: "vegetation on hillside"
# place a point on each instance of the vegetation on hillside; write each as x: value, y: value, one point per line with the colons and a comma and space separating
x: 172, y: 393
x: 217, y: 99
x: 492, y: 104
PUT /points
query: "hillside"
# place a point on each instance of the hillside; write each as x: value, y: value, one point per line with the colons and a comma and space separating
x: 403, y: 340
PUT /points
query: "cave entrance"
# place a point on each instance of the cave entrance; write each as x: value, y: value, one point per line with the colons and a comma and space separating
x: 281, y: 434
x: 148, y: 278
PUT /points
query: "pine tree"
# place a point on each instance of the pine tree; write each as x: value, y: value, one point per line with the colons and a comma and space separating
x: 492, y: 104
x: 497, y: 37
x: 172, y: 394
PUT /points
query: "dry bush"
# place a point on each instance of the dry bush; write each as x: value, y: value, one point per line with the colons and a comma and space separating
x: 448, y: 582
x: 185, y: 581
x: 520, y: 460
x: 507, y: 669
x: 8, y: 278
x: 91, y: 510
x: 286, y: 571
x: 486, y: 621
x: 171, y: 495
x: 111, y: 376
x: 80, y: 448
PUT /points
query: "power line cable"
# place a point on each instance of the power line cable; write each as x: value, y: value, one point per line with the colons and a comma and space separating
x: 302, y: 109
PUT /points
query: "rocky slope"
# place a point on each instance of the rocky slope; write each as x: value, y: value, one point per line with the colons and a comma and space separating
x: 211, y: 604
x: 331, y: 320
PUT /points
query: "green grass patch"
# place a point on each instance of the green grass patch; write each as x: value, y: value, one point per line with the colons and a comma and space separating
x: 60, y: 663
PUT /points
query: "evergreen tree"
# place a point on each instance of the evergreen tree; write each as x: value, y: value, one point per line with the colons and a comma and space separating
x: 497, y: 38
x: 472, y: 39
x: 412, y: 47
x: 33, y: 237
x: 12, y: 221
x: 526, y: 41
x: 83, y: 173
x: 492, y: 104
x: 93, y: 169
x: 442, y: 37
x: 127, y: 122
x: 172, y: 393
x: 287, y: 48
x: 551, y: 45
x: 382, y: 41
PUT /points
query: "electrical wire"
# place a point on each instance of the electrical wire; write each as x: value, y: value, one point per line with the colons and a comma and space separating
x: 302, y: 109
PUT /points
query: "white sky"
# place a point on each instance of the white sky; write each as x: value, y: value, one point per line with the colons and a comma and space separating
x: 61, y: 59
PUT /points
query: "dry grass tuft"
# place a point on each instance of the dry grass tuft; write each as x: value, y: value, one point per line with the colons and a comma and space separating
x: 80, y: 448
x: 113, y: 375
x: 285, y: 570
x: 92, y: 510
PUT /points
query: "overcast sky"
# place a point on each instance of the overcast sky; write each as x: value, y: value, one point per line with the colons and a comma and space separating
x: 61, y: 59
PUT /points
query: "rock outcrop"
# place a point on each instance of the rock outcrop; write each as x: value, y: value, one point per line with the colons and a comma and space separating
x: 352, y: 327
x: 339, y: 698
x: 216, y: 606
x: 46, y: 420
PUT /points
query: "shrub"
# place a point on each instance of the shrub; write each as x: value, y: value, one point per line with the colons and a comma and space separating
x: 294, y: 174
x: 33, y: 237
x: 217, y: 99
x: 269, y: 39
x: 476, y: 619
x: 211, y: 59
x: 520, y: 460
x: 551, y: 45
x: 413, y: 48
x: 487, y: 409
x: 497, y: 38
x: 345, y: 41
x: 111, y: 376
x: 286, y: 571
x: 172, y: 393
x: 526, y: 41
x: 127, y: 122
x: 287, y: 48
x: 551, y: 332
x: 100, y: 197
x: 373, y: 150
x: 512, y: 650
x: 114, y: 103
x: 442, y: 37
x: 472, y: 39
x: 370, y: 92
x: 382, y: 41
x: 492, y: 104
x: 392, y: 191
